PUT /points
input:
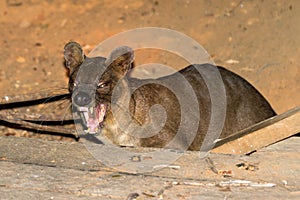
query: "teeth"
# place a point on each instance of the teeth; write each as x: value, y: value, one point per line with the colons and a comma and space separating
x: 91, y: 132
x: 93, y: 117
x: 83, y: 109
x: 86, y: 116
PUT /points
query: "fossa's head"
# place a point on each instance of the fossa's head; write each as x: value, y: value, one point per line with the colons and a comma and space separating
x: 92, y: 80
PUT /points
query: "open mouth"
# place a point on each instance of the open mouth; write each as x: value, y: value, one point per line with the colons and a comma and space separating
x: 93, y: 117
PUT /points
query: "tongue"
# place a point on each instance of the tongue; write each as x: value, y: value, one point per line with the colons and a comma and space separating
x: 94, y: 117
x: 91, y: 122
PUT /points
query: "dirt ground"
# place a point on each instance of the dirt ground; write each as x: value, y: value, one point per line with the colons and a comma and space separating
x: 258, y: 39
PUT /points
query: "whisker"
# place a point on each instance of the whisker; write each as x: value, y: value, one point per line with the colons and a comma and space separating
x: 24, y: 124
x: 66, y: 110
x: 55, y: 109
x: 11, y: 104
x: 51, y: 97
x: 30, y: 117
x: 10, y: 99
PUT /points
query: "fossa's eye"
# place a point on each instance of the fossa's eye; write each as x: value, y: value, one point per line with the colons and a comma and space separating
x: 101, y: 85
x: 75, y: 84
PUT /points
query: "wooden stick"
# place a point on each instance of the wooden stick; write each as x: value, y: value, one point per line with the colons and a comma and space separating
x: 261, y: 135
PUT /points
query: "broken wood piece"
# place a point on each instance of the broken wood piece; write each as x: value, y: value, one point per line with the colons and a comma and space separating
x: 245, y: 183
x: 261, y: 134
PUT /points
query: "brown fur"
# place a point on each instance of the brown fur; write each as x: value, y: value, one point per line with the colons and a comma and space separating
x: 245, y: 106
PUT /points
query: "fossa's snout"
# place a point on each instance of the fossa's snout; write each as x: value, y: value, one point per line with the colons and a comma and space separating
x: 82, y: 99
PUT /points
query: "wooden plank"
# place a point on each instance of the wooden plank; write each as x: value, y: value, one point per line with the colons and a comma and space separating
x: 40, y: 169
x: 262, y: 134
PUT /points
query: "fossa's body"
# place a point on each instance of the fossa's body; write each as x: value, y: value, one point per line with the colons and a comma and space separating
x: 93, y: 80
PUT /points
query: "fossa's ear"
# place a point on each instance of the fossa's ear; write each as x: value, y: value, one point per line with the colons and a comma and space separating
x: 120, y: 59
x: 73, y: 54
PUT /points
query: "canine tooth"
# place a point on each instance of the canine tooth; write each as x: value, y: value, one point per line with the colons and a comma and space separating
x: 83, y: 109
x: 86, y: 116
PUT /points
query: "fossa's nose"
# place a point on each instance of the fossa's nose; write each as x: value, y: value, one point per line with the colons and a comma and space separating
x: 82, y: 99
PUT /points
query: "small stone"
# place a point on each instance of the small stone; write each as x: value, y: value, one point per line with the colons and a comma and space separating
x: 25, y: 24
x: 121, y: 20
x: 16, y: 85
x: 63, y: 22
x: 14, y: 2
x: 231, y: 61
x: 135, y: 158
x: 21, y: 60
